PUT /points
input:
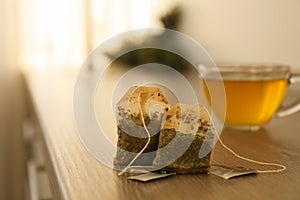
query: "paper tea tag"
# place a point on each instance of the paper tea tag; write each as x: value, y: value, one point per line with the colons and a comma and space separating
x: 150, y: 176
x: 227, y: 173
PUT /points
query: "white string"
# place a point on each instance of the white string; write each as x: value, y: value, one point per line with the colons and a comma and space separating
x: 283, y: 168
x: 146, y: 145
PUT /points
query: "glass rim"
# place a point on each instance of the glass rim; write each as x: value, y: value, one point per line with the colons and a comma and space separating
x: 254, y: 68
x: 248, y: 72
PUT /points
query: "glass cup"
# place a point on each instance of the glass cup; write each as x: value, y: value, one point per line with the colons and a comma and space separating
x: 254, y: 93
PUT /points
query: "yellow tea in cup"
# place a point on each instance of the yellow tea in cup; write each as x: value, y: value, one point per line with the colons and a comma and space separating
x: 253, y: 93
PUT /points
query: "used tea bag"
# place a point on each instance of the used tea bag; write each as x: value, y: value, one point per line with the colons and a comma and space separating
x: 139, y: 105
x: 185, y: 132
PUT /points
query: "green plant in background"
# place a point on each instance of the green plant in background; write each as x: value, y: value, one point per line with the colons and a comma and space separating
x: 170, y: 20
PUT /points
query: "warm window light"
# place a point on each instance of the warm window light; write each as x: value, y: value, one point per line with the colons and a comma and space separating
x: 59, y: 33
x: 141, y: 11
x: 53, y: 34
x: 111, y: 17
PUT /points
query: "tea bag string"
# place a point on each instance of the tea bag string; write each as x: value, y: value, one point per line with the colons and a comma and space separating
x: 282, y: 167
x: 147, y: 143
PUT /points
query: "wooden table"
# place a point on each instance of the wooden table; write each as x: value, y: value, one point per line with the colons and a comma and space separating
x: 76, y: 174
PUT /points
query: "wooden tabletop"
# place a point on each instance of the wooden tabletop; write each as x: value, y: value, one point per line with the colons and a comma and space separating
x: 80, y: 176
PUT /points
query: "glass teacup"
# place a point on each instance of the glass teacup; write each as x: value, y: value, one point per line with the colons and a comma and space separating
x: 254, y: 93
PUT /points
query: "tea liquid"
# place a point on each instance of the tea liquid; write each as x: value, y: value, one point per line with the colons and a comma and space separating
x: 249, y: 102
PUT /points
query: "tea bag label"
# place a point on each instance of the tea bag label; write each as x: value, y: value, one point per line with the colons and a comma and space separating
x: 227, y: 173
x: 150, y: 176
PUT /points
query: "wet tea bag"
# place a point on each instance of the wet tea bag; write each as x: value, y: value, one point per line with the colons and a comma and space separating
x: 139, y: 116
x: 184, y: 134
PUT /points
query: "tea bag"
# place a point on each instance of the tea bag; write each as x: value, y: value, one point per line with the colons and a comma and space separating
x: 185, y: 132
x: 139, y: 106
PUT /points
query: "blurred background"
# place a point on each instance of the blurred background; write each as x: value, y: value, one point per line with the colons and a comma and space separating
x: 60, y: 34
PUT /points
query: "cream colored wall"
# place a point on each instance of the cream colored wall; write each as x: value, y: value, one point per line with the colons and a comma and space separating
x: 235, y: 31
x: 11, y: 168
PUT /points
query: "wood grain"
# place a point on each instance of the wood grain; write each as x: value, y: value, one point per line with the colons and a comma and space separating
x: 81, y: 176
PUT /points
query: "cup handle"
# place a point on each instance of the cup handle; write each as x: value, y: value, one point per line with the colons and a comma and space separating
x: 295, y: 107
